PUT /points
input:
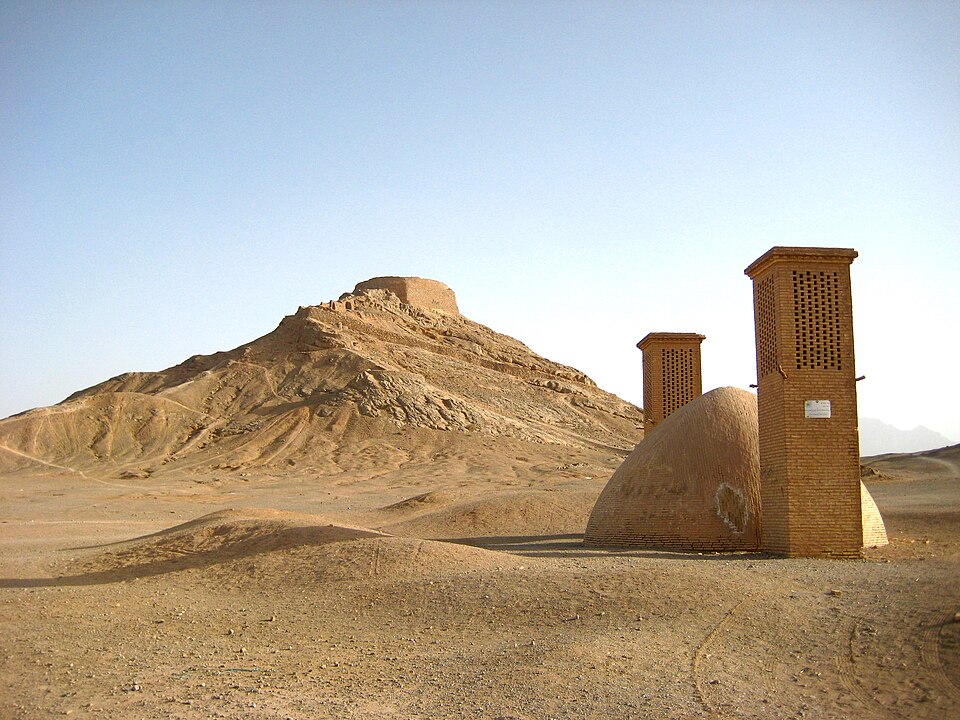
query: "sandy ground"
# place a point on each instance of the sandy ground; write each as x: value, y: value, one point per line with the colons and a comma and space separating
x: 143, y: 598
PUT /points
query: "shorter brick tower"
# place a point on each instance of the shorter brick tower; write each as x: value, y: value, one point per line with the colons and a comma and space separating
x: 671, y: 374
x: 807, y: 402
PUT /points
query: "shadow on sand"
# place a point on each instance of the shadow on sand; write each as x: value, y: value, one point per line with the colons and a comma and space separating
x: 547, y: 546
x: 198, y: 559
x: 572, y: 546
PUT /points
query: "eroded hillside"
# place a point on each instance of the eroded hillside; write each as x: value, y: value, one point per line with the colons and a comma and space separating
x: 364, y: 379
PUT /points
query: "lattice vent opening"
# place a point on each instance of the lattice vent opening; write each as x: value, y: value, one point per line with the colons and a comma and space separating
x: 816, y: 313
x: 647, y: 388
x: 678, y: 366
x: 766, y: 326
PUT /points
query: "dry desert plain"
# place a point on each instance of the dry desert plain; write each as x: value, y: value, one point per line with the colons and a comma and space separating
x: 378, y: 513
x: 146, y: 599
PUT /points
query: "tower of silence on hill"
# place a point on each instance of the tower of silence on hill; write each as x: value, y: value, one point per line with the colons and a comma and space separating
x: 414, y: 291
x: 393, y: 360
x: 724, y: 472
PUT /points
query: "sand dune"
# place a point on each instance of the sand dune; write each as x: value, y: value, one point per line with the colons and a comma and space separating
x: 504, y: 514
x: 942, y: 463
x: 219, y: 537
x: 259, y: 547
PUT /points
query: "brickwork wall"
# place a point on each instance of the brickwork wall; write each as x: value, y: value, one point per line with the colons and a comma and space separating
x: 809, y: 466
x: 671, y: 374
x: 415, y: 291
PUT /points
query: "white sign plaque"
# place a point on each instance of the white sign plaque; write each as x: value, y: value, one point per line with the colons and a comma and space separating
x: 816, y: 408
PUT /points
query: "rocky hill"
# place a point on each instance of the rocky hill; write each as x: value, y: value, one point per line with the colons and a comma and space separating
x: 367, y: 380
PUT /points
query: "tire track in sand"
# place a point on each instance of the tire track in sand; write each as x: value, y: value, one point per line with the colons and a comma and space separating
x: 930, y: 645
x: 851, y: 681
x: 698, y: 656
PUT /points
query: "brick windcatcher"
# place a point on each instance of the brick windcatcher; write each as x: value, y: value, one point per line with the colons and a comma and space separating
x: 807, y: 402
x: 671, y: 374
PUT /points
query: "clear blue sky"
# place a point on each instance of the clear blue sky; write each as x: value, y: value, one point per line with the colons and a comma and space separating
x: 175, y: 177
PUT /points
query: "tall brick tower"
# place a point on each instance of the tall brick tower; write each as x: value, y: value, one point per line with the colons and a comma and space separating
x: 671, y: 374
x: 807, y: 402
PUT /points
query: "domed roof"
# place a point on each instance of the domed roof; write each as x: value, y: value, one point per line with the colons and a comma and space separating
x: 692, y: 484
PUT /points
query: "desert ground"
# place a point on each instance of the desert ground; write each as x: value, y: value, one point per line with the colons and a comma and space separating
x: 466, y: 596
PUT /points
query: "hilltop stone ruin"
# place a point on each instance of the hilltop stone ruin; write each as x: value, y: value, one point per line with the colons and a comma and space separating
x: 415, y: 291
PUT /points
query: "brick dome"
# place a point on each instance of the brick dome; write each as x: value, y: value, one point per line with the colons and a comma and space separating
x: 693, y: 484
x: 874, y: 531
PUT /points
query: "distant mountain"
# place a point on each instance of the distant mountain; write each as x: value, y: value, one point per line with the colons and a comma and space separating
x: 878, y: 438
